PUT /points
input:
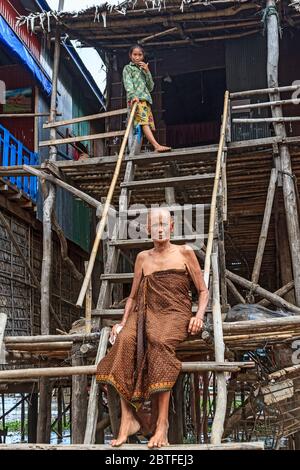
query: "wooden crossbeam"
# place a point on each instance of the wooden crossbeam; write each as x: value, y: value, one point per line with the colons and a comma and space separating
x: 91, y: 117
x: 70, y: 140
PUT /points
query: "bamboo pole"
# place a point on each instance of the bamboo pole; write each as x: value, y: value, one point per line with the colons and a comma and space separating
x: 88, y: 305
x: 82, y: 138
x: 290, y: 198
x: 219, y: 418
x: 108, y: 200
x: 212, y: 218
x: 265, y: 226
x: 264, y: 91
x: 52, y: 338
x: 267, y: 104
x: 91, y: 117
x: 275, y: 299
x: 272, y: 119
x: 91, y: 424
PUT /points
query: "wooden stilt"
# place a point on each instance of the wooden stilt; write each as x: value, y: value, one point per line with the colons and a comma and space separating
x: 79, y: 399
x: 176, y: 416
x: 32, y: 417
x: 221, y: 400
x: 44, y: 418
x: 290, y: 201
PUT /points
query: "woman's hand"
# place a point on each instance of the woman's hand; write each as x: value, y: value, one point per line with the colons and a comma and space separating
x: 196, y: 325
x: 144, y: 66
x: 116, y: 330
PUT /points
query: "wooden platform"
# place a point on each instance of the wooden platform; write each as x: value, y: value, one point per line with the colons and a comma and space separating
x: 134, y: 447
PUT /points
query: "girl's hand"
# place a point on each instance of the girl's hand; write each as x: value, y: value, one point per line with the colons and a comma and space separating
x: 196, y: 325
x: 134, y: 100
x: 144, y: 66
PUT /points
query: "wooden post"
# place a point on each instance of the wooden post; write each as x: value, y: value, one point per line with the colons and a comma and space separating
x: 59, y: 414
x: 176, y: 415
x: 79, y: 400
x: 285, y: 263
x: 265, y: 226
x: 92, y: 413
x: 3, y: 320
x: 221, y: 250
x: 32, y: 417
x: 290, y: 201
x: 219, y: 418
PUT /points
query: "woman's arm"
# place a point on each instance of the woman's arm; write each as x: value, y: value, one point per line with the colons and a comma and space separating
x: 197, y: 277
x: 131, y: 301
x: 128, y: 84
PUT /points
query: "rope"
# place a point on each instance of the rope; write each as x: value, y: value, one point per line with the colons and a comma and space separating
x: 266, y: 13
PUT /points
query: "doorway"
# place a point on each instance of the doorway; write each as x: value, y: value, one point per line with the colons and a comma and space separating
x: 193, y: 104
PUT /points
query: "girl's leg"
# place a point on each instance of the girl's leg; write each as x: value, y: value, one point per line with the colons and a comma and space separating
x: 160, y: 437
x: 128, y: 426
x: 149, y: 135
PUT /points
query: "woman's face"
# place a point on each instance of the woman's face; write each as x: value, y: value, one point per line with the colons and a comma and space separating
x: 137, y: 56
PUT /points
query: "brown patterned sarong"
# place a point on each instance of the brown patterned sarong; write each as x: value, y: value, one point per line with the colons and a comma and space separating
x: 143, y: 359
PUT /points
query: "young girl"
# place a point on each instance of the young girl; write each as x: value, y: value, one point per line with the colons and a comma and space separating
x: 138, y: 84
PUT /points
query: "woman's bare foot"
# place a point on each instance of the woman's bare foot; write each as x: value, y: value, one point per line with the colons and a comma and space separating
x: 129, y: 426
x: 160, y: 438
x: 162, y: 148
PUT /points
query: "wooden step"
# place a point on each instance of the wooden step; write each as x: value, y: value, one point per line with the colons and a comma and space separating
x: 146, y: 243
x: 167, y: 182
x: 133, y: 447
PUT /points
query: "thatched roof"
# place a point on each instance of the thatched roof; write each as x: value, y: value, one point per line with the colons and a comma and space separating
x: 158, y: 23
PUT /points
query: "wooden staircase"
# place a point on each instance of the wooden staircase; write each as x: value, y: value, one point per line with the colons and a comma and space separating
x: 119, y: 245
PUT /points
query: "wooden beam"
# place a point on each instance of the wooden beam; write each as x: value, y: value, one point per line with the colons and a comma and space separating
x: 52, y: 338
x: 70, y: 140
x: 281, y: 292
x: 212, y: 218
x: 91, y: 117
x: 265, y: 226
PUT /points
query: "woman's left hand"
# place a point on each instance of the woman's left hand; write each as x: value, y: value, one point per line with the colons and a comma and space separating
x: 144, y: 66
x: 196, y: 325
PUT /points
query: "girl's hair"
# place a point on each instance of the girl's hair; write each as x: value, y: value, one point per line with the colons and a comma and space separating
x: 136, y: 46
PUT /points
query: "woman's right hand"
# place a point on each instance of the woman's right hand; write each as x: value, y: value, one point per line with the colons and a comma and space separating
x: 114, y: 331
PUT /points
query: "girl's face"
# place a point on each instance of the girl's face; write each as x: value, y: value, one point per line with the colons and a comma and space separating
x: 137, y: 55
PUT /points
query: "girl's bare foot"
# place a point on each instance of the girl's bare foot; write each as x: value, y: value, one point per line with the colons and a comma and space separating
x: 129, y: 426
x: 160, y: 438
x: 162, y: 148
